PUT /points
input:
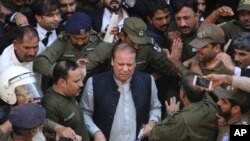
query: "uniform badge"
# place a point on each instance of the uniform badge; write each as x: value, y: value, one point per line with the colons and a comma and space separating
x: 141, y: 33
x: 201, y: 34
x: 82, y: 31
x: 247, y: 2
x: 157, y: 47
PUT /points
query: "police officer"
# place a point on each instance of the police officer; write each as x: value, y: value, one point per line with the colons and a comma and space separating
x: 149, y: 56
x: 78, y: 41
x: 19, y: 87
x: 198, y: 113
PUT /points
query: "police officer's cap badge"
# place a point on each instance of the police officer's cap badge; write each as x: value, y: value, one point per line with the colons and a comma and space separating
x: 82, y: 31
x: 141, y: 33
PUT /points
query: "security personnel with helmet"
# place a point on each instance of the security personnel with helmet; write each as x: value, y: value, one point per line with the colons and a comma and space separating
x: 17, y: 82
x: 19, y: 86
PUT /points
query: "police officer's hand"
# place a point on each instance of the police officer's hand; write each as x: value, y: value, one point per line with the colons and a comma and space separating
x: 173, y: 35
x: 148, y: 127
x: 65, y: 132
x: 176, y: 50
x: 173, y: 106
x: 82, y: 64
x: 221, y: 122
x: 227, y: 61
x: 224, y: 11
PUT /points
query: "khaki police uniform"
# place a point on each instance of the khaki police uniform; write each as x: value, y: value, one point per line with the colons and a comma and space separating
x: 148, y: 56
x: 195, y: 122
x: 232, y: 30
x: 65, y: 111
x: 62, y: 48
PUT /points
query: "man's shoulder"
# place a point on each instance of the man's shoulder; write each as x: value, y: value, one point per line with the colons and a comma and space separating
x: 50, y: 96
x: 230, y: 25
x: 141, y: 74
x: 103, y: 74
x: 63, y: 37
x: 94, y: 37
x: 7, y: 50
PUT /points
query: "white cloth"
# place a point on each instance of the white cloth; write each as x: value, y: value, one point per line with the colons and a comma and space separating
x: 107, y: 16
x: 124, y: 123
x: 42, y: 34
x: 8, y: 58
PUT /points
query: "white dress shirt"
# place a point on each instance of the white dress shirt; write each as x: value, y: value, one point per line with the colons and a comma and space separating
x: 107, y: 16
x: 124, y: 123
x: 42, y: 34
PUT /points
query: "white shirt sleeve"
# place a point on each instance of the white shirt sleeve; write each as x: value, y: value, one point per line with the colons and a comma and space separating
x: 155, y: 105
x: 87, y: 105
x: 242, y: 83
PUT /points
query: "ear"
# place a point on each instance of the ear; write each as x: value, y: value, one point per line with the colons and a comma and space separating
x: 218, y: 48
x: 196, y: 17
x: 15, y: 44
x: 122, y: 37
x: 33, y: 131
x: 182, y: 94
x: 62, y: 82
x: 38, y: 18
x: 235, y: 110
x: 112, y: 61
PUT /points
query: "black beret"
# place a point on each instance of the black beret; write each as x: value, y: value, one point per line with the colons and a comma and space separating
x: 78, y: 22
x: 27, y: 116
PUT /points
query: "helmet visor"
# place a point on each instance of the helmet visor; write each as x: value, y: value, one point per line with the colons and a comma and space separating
x: 31, y: 90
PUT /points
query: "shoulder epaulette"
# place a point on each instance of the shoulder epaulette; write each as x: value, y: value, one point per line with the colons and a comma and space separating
x: 63, y: 36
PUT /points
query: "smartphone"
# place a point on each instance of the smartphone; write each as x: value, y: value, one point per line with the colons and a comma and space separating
x: 202, y: 82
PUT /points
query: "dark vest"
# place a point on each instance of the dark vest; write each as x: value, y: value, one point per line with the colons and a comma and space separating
x: 106, y: 97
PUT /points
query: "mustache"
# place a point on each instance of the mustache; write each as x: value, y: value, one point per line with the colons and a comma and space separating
x: 114, y: 1
x: 183, y: 27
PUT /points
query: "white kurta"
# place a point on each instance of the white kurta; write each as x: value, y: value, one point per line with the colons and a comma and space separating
x: 124, y: 123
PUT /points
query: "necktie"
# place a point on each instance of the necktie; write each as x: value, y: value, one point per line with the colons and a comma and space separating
x: 45, y: 40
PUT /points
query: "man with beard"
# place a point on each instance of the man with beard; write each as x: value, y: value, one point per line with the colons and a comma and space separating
x: 101, y: 17
x: 234, y: 108
x: 241, y: 56
x: 185, y: 26
x: 158, y: 21
x: 77, y: 42
x: 234, y: 27
x: 23, y: 50
x: 22, y: 90
x: 198, y: 113
x: 68, y: 8
x: 208, y: 43
x: 201, y: 9
x: 59, y: 100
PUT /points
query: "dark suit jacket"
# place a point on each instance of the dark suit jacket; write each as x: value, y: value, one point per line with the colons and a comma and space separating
x: 96, y: 17
x: 245, y: 72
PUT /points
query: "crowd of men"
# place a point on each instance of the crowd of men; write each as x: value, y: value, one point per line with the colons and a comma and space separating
x: 60, y: 79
